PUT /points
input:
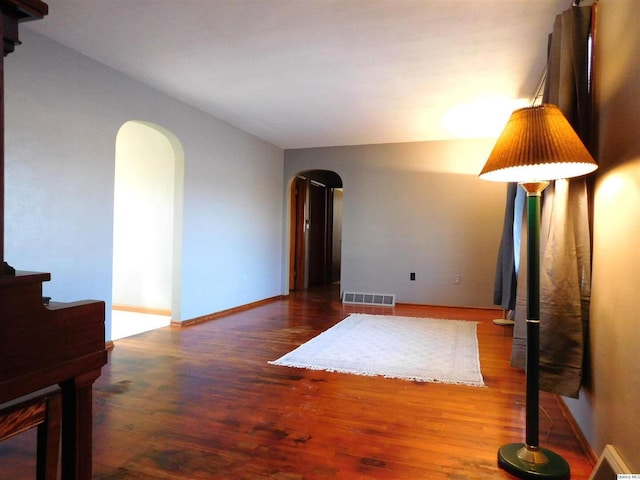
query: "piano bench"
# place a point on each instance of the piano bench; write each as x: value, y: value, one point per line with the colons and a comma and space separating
x: 42, y: 409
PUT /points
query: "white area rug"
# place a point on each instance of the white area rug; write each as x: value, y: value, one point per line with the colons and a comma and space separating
x: 420, y: 349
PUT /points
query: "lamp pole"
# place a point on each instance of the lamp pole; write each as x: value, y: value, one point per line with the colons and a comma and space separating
x: 529, y: 460
x: 534, y: 193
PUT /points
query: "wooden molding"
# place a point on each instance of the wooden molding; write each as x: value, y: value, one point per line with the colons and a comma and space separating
x: 584, y: 443
x: 224, y: 313
x: 147, y: 310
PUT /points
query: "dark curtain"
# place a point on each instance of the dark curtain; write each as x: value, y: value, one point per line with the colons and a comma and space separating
x: 504, y: 290
x: 565, y: 273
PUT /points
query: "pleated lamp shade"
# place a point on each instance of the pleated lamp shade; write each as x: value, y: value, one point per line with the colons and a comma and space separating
x: 537, y: 144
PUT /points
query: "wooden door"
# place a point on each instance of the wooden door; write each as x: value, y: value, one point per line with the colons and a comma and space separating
x: 311, y: 235
x: 298, y: 238
x: 317, y: 234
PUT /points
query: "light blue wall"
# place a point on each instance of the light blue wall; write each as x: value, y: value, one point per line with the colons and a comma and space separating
x: 63, y: 112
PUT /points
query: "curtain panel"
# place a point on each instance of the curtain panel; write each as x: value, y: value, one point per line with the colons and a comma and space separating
x: 504, y: 290
x: 565, y: 273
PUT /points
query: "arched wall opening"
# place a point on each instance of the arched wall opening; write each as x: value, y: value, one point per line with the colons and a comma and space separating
x: 147, y: 230
x: 315, y: 229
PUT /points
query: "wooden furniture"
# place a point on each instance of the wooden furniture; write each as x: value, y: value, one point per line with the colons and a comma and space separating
x: 43, y: 346
x: 62, y: 344
x: 43, y: 410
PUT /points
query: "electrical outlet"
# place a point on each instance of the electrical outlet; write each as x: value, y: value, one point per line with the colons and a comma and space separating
x: 412, y: 276
x: 457, y: 279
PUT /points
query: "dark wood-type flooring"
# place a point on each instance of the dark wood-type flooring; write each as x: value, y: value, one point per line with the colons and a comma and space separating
x: 201, y: 402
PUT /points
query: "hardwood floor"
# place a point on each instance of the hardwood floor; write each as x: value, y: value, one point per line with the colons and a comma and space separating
x: 202, y: 402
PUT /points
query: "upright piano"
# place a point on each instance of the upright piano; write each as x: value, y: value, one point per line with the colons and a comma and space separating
x: 46, y: 345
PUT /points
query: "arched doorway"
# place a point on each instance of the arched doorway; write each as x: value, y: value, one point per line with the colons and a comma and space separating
x: 316, y: 229
x: 147, y: 228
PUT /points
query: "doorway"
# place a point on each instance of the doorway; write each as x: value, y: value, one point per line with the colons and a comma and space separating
x: 316, y: 229
x: 147, y: 229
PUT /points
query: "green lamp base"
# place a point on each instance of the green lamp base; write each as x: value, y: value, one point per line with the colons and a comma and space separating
x: 524, y: 462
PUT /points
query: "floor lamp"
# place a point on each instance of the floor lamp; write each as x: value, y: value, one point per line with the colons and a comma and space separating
x: 536, y: 146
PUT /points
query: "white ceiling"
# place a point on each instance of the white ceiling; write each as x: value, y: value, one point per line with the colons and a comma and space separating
x: 308, y: 73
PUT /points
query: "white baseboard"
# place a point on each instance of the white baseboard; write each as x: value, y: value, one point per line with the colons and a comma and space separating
x: 609, y: 465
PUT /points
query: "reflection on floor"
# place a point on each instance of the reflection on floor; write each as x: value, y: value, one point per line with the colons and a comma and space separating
x: 125, y: 324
